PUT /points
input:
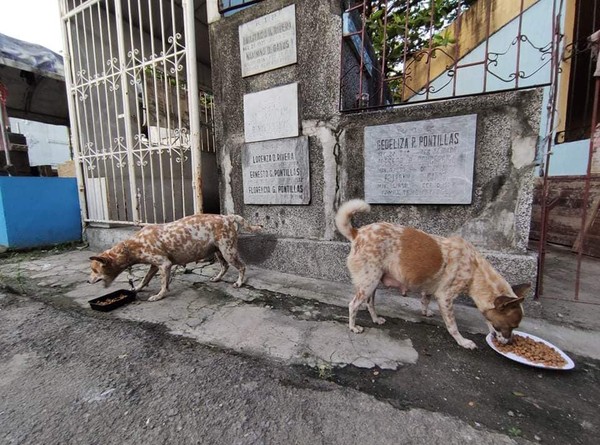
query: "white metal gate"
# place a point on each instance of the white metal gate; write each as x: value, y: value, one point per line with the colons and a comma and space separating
x: 138, y: 122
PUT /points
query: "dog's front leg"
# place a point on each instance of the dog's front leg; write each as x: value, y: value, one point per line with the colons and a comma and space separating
x: 447, y: 311
x: 371, y: 308
x: 151, y: 272
x: 165, y: 276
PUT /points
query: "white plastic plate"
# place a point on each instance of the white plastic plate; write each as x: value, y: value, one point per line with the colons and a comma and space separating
x: 517, y: 358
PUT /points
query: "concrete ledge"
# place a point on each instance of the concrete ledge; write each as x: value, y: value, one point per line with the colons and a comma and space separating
x: 326, y: 260
x: 102, y: 238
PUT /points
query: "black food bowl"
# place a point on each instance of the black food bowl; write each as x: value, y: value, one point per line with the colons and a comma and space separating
x: 113, y: 300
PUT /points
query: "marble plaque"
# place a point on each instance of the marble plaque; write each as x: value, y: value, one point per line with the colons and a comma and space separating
x: 421, y: 162
x: 271, y: 114
x: 268, y: 42
x: 276, y: 172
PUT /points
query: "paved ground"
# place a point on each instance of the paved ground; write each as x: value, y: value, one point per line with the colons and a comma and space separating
x: 558, y: 299
x: 270, y: 363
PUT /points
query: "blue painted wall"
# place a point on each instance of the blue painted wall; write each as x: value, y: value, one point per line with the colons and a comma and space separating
x: 38, y: 211
x: 570, y: 158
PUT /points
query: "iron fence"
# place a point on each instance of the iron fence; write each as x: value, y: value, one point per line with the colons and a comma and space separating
x: 404, y: 51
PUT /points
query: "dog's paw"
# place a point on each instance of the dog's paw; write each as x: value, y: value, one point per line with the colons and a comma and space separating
x: 237, y: 284
x: 427, y: 313
x: 379, y: 320
x: 215, y: 279
x: 357, y: 329
x: 156, y: 297
x: 467, y: 344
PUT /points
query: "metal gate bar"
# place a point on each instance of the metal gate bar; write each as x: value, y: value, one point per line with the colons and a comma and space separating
x: 562, y: 54
x: 137, y: 127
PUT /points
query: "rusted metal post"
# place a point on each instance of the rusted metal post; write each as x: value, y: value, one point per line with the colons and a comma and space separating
x: 595, y: 41
x: 556, y: 37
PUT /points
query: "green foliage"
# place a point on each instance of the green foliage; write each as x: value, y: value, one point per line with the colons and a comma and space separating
x: 398, y: 34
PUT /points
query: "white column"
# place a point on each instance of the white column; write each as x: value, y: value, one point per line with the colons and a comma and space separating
x: 212, y: 11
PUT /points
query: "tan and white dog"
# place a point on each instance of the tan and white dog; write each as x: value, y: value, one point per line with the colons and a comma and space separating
x: 413, y: 260
x: 180, y: 242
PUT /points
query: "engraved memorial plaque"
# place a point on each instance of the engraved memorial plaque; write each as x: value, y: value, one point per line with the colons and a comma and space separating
x: 268, y: 42
x: 276, y: 172
x: 271, y: 114
x: 421, y: 162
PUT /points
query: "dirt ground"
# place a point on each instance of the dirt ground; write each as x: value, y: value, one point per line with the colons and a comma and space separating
x: 72, y: 375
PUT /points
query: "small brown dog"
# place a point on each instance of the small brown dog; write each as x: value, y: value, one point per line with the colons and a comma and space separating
x: 413, y: 260
x: 186, y: 240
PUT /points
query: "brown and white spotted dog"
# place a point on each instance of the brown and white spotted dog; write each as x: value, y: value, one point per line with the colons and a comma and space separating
x: 410, y: 259
x: 180, y: 242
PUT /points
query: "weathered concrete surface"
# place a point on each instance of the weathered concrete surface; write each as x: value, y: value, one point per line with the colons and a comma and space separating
x: 207, y: 314
x: 568, y: 324
x: 68, y: 378
x: 210, y: 316
x: 201, y: 308
x: 119, y: 375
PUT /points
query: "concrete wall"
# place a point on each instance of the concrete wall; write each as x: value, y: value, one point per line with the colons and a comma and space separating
x: 38, y: 211
x: 303, y: 239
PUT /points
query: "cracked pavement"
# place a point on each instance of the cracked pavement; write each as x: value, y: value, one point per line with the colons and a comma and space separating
x: 272, y: 362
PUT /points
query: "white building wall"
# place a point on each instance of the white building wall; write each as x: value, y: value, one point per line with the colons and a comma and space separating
x: 47, y: 144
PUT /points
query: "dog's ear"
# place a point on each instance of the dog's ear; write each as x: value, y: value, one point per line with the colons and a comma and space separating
x: 521, y: 290
x: 100, y: 259
x: 503, y: 302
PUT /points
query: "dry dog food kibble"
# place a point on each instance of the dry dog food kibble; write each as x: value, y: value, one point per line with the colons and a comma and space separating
x: 534, y: 351
x: 111, y: 300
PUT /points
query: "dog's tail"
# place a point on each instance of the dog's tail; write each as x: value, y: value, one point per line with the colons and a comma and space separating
x: 344, y: 214
x: 242, y: 224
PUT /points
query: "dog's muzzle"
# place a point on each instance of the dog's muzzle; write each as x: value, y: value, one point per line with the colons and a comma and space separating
x: 501, y: 338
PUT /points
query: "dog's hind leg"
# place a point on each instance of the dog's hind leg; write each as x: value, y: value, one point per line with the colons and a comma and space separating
x: 151, y: 272
x: 425, y: 299
x: 371, y: 308
x: 224, y: 267
x: 230, y: 254
x: 363, y: 293
x: 165, y: 272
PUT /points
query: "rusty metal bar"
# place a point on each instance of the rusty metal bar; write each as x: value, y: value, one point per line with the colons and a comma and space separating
x: 362, y: 52
x: 467, y: 65
x: 430, y: 50
x: 457, y: 47
x: 519, y: 34
x: 486, y: 60
x: 383, y: 59
x: 539, y: 290
x: 404, y: 50
x: 586, y: 189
